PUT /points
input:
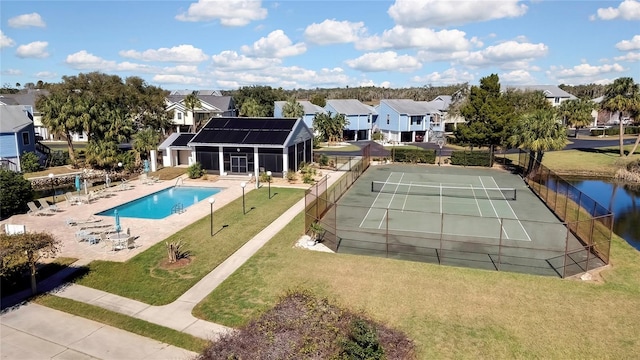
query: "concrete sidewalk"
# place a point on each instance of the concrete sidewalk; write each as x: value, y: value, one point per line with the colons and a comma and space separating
x: 176, y: 315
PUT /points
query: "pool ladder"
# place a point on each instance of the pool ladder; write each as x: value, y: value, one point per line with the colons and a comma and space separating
x: 177, y: 208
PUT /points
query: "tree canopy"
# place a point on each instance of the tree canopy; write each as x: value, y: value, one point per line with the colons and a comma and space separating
x: 623, y: 95
x: 329, y: 127
x: 539, y: 131
x: 16, y: 193
x: 293, y: 109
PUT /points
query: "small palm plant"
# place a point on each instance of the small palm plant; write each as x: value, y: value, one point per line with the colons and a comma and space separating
x: 316, y: 230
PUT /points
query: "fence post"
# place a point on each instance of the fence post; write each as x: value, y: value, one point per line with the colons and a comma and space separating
x: 386, y: 214
x: 500, y: 244
x: 441, y: 234
x: 566, y: 251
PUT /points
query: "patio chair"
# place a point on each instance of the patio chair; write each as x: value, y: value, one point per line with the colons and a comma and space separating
x: 131, y: 243
x: 86, y: 199
x: 44, y: 206
x: 34, y: 210
x: 89, y: 220
x: 71, y: 199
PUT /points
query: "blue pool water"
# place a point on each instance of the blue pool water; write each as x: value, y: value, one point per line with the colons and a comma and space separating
x: 160, y: 204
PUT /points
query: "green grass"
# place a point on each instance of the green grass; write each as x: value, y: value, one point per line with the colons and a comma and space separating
x: 124, y: 322
x: 143, y: 278
x: 587, y: 162
x: 450, y: 312
x: 338, y: 148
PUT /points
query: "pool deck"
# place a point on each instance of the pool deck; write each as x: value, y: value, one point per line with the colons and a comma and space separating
x: 148, y: 231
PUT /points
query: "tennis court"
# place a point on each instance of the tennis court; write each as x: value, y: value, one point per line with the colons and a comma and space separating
x: 481, y: 218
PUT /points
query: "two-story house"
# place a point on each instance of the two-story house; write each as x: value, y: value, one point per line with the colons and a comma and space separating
x: 552, y: 93
x: 360, y: 117
x: 212, y: 104
x: 310, y: 110
x: 17, y: 135
x: 406, y: 120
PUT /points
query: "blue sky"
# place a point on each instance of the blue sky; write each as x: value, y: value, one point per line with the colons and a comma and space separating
x: 225, y: 44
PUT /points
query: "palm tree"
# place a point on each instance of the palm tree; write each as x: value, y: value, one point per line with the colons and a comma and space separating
x: 252, y: 108
x: 537, y: 132
x: 59, y: 116
x: 330, y: 128
x: 577, y: 113
x: 144, y: 141
x: 191, y: 102
x: 622, y: 96
x: 293, y: 109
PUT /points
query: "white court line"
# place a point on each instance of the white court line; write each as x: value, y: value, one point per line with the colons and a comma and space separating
x: 406, y: 196
x: 440, y: 198
x: 476, y: 199
x: 494, y: 208
x: 513, y: 212
x: 392, y: 197
x: 374, y: 201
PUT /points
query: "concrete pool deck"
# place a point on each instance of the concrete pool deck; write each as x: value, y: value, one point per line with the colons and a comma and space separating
x: 149, y: 231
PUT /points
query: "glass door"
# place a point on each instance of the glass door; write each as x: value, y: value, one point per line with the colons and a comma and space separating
x: 238, y: 164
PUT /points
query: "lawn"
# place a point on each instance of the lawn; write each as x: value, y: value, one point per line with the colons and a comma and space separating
x: 147, y: 279
x: 449, y: 312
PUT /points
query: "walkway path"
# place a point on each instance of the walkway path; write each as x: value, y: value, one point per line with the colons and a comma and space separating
x: 177, y: 315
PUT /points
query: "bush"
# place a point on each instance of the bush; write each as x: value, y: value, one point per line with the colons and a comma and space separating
x: 324, y: 160
x: 264, y: 178
x: 615, y: 131
x: 292, y: 175
x: 195, y: 171
x: 16, y: 193
x: 377, y: 136
x: 29, y: 162
x: 414, y: 156
x: 471, y: 158
x: 363, y: 342
x: 59, y: 158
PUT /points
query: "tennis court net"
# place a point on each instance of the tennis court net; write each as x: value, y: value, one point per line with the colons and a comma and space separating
x: 445, y: 191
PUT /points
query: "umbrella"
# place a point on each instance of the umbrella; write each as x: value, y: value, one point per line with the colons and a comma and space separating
x: 117, y: 227
x: 146, y: 166
x: 78, y: 184
x: 86, y: 188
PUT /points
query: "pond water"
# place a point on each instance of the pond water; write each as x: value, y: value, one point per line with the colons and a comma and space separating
x: 623, y: 200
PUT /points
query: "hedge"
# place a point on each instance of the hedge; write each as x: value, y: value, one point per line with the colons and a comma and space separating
x: 414, y: 156
x: 471, y: 158
x: 629, y: 130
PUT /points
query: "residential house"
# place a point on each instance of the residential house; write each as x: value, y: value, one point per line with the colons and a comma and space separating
x: 212, y: 104
x: 17, y: 135
x: 449, y: 122
x: 606, y: 118
x: 239, y: 145
x: 360, y: 117
x: 552, y: 93
x: 310, y: 110
x: 405, y: 120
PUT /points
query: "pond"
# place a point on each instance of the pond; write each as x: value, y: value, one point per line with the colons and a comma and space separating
x: 623, y: 200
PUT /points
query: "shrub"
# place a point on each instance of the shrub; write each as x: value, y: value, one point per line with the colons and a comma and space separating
x: 29, y: 162
x: 471, y: 158
x: 16, y: 193
x: 292, y: 175
x: 176, y: 251
x: 377, y: 136
x: 195, y: 171
x: 414, y: 156
x: 324, y: 160
x: 264, y: 178
x: 59, y: 158
x: 363, y: 342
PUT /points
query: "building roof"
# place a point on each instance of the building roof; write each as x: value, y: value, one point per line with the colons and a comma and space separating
x: 411, y: 107
x: 28, y: 98
x: 549, y: 90
x: 307, y: 106
x: 176, y: 139
x: 351, y: 107
x: 199, y: 92
x: 14, y: 118
x: 442, y: 102
x: 223, y: 103
x: 246, y: 131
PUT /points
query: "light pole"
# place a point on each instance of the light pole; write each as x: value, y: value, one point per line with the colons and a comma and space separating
x: 211, y: 201
x: 269, y: 180
x: 53, y: 191
x: 242, y: 185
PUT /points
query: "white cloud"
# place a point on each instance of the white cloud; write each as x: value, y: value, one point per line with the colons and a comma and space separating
x: 46, y: 75
x: 5, y: 41
x: 180, y: 80
x: 286, y: 77
x: 181, y: 69
x: 11, y: 72
x: 386, y: 61
x: 36, y: 49
x: 627, y: 10
x: 419, y: 13
x: 518, y: 77
x: 449, y: 76
x: 229, y: 12
x: 334, y: 32
x: 275, y: 45
x: 180, y: 53
x: 82, y: 60
x: 27, y: 20
x: 429, y: 56
x: 232, y: 60
x: 505, y: 53
x: 626, y: 45
x: 583, y: 73
x: 400, y: 37
x: 630, y: 57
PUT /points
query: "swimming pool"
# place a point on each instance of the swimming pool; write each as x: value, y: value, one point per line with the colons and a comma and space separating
x: 162, y: 203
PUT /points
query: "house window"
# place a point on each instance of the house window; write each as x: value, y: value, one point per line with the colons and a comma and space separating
x: 556, y: 100
x: 387, y: 119
x: 416, y: 120
x: 25, y: 138
x: 179, y: 116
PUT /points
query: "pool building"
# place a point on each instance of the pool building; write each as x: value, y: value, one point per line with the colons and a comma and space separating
x: 232, y: 145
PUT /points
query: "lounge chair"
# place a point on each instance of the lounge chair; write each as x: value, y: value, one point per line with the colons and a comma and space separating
x: 71, y: 199
x: 89, y: 220
x: 86, y: 199
x: 34, y: 210
x: 44, y: 206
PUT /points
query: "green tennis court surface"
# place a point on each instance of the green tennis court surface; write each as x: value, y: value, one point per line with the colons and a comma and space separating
x: 459, y: 216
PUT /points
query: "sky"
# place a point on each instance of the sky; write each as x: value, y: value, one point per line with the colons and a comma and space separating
x: 299, y: 44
